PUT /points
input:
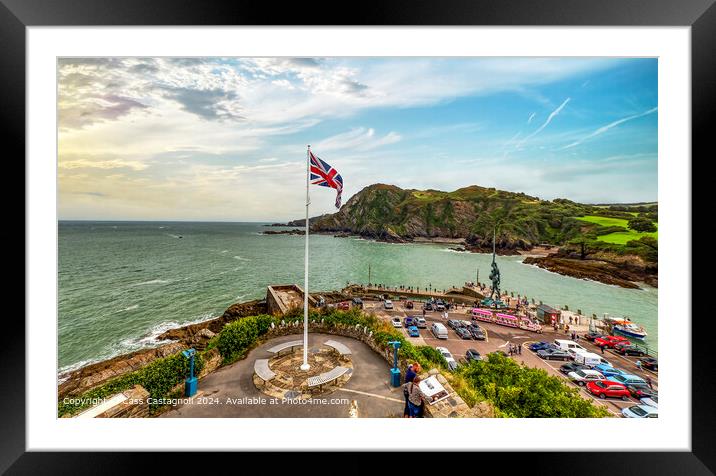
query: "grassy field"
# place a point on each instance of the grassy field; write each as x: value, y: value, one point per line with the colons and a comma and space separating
x: 620, y: 237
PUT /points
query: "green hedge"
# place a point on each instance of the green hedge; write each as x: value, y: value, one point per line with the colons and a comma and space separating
x: 241, y: 335
x: 158, y: 378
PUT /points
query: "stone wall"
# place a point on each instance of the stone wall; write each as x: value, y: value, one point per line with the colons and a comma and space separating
x: 136, y: 405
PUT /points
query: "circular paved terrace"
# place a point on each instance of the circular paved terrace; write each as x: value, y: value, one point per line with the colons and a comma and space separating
x: 230, y: 392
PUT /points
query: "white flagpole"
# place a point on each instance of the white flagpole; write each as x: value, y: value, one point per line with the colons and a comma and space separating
x: 305, y: 365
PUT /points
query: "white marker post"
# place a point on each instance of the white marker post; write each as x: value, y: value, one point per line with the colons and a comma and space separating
x: 305, y: 367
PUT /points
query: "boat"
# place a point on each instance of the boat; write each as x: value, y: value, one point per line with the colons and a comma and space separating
x: 630, y: 329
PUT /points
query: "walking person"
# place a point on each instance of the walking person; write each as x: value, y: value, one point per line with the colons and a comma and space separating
x: 648, y: 382
x: 409, y: 377
x: 602, y: 347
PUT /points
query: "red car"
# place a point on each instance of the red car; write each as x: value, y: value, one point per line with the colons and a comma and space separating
x: 610, y: 341
x: 607, y: 388
x: 345, y: 305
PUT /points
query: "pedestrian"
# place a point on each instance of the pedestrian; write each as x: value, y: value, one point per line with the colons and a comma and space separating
x: 638, y: 365
x: 519, y: 350
x: 510, y: 350
x: 423, y: 312
x: 648, y: 382
x: 415, y: 397
x: 602, y: 347
x: 409, y: 377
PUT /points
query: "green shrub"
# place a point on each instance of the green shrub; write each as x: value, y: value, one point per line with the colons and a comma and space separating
x: 239, y: 336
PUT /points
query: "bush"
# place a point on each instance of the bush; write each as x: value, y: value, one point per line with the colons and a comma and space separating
x: 239, y: 336
x: 523, y: 392
x: 641, y: 224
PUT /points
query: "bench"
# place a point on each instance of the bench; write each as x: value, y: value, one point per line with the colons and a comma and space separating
x: 286, y: 345
x: 340, y: 348
x: 262, y: 370
x: 326, y: 377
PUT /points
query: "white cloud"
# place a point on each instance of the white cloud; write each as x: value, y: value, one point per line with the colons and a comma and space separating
x: 358, y: 139
x: 551, y: 116
x: 604, y: 129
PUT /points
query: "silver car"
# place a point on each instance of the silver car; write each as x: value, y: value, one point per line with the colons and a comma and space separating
x: 640, y: 411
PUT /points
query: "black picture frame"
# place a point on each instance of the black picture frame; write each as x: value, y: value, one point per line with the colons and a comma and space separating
x: 16, y: 15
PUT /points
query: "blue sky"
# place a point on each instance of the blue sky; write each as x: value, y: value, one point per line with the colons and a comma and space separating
x: 224, y: 139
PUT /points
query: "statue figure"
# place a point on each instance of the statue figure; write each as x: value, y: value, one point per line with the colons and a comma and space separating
x: 494, y: 274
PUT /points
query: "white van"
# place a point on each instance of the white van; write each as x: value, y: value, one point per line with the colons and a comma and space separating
x: 590, y: 359
x: 574, y: 351
x: 565, y: 345
x: 439, y: 330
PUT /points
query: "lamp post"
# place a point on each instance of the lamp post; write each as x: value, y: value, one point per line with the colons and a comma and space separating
x: 395, y: 371
x: 190, y: 383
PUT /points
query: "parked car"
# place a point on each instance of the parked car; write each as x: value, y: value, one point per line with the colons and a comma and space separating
x: 553, y: 354
x: 463, y: 333
x: 609, y: 371
x: 651, y: 401
x: 388, y: 304
x: 452, y: 364
x: 477, y: 333
x: 440, y: 305
x: 472, y: 354
x: 628, y: 379
x: 357, y: 302
x: 454, y: 323
x: 629, y: 349
x: 428, y: 306
x: 409, y: 304
x: 590, y: 336
x: 610, y: 341
x: 420, y: 322
x: 582, y: 376
x: 439, y: 330
x: 641, y: 390
x: 541, y: 346
x: 640, y: 411
x: 396, y: 322
x: 413, y: 331
x: 649, y: 363
x: 409, y: 321
x: 571, y: 367
x: 567, y: 345
x: 344, y: 306
x: 608, y: 388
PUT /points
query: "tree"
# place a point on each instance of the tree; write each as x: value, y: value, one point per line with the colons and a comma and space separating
x: 642, y: 224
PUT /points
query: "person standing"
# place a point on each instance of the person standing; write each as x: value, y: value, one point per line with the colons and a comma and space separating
x: 415, y: 397
x: 409, y: 377
x: 648, y: 382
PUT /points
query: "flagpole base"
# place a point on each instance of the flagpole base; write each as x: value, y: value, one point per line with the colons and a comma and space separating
x: 305, y: 367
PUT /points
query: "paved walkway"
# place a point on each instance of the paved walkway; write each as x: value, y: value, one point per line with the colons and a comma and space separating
x: 229, y: 392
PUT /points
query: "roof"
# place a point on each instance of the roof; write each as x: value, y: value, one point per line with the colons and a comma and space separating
x: 546, y: 308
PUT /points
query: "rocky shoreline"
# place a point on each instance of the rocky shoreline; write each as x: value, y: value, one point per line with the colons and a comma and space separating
x: 603, y: 271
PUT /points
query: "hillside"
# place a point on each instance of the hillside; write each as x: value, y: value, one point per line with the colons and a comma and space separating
x: 387, y: 212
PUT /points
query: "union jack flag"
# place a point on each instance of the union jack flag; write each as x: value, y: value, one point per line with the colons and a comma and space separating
x: 326, y: 176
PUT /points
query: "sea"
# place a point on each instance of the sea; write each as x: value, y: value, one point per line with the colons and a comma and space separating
x: 122, y: 284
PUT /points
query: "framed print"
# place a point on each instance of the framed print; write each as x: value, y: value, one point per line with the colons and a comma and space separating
x: 453, y: 216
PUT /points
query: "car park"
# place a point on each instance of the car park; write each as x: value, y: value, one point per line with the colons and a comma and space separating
x: 582, y: 376
x: 413, y: 331
x: 463, y: 333
x: 628, y: 379
x: 472, y: 354
x: 608, y: 389
x: 409, y: 321
x: 641, y: 390
x: 396, y: 322
x: 571, y: 367
x: 357, y: 302
x: 649, y: 363
x: 439, y: 330
x: 388, y: 304
x: 610, y: 341
x: 553, y: 354
x: 629, y: 349
x: 651, y: 401
x: 420, y: 322
x: 640, y: 411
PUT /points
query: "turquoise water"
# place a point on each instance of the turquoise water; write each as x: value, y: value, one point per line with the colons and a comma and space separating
x: 123, y: 283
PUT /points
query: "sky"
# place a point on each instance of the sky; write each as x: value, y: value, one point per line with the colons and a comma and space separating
x: 224, y: 139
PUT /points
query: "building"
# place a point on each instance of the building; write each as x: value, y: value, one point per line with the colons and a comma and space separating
x: 547, y: 314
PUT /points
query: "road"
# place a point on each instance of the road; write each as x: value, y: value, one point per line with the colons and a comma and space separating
x: 500, y: 337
